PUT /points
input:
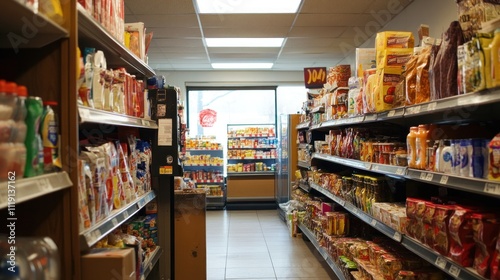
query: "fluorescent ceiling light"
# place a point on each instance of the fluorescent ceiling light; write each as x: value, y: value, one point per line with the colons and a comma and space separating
x: 248, y: 6
x: 242, y: 65
x: 244, y: 42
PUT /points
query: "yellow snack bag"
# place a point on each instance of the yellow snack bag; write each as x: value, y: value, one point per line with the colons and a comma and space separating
x: 394, y: 57
x: 388, y: 79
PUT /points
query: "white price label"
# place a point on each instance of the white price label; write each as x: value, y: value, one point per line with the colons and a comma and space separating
x: 400, y: 171
x: 454, y: 271
x: 44, y: 185
x: 140, y: 204
x: 492, y: 188
x: 342, y: 202
x: 422, y: 176
x: 373, y: 222
x: 125, y: 215
x: 444, y: 180
x: 96, y: 234
x: 441, y: 262
x: 429, y: 177
x: 391, y: 113
x: 431, y: 106
x: 150, y: 266
x: 397, y: 236
x: 375, y: 168
x: 84, y: 113
x: 144, y: 123
x: 114, y: 221
x: 417, y: 109
x: 355, y: 211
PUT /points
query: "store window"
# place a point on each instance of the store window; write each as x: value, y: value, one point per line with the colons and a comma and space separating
x: 210, y: 110
x: 290, y: 99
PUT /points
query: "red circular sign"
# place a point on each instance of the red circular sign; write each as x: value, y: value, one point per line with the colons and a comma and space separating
x: 208, y: 117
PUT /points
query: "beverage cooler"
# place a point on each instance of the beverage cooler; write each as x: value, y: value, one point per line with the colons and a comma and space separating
x: 286, y: 162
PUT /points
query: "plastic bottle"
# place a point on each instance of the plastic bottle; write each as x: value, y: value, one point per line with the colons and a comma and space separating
x: 438, y: 156
x: 411, y: 147
x: 20, y: 115
x: 8, y: 98
x: 455, y: 145
x: 33, y: 142
x: 421, y: 147
x: 479, y: 152
x: 465, y: 158
x: 495, y: 59
x: 49, y: 129
x: 446, y: 158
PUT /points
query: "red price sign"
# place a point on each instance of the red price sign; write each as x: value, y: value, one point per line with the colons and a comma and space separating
x: 315, y: 77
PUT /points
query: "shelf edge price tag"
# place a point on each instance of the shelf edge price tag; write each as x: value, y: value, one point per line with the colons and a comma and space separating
x: 125, y: 215
x: 97, y: 234
x: 355, y: 211
x: 391, y: 113
x: 422, y: 176
x: 375, y: 168
x: 373, y: 222
x: 454, y: 271
x: 397, y: 236
x: 492, y: 188
x: 342, y: 202
x: 43, y: 185
x: 441, y: 262
x: 429, y: 177
x: 444, y: 180
x: 84, y: 113
x: 114, y: 221
x: 431, y: 106
x: 151, y: 266
x: 400, y: 171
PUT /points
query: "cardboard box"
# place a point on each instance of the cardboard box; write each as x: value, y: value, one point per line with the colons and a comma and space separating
x: 109, y: 264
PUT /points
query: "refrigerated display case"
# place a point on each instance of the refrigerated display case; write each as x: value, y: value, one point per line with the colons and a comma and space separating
x: 286, y: 162
x: 251, y: 158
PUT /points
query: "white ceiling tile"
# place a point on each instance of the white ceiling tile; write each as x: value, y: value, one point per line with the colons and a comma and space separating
x: 330, y: 6
x: 178, y: 32
x: 385, y: 6
x: 165, y: 21
x: 184, y: 66
x: 160, y: 7
x: 305, y: 42
x: 336, y: 19
x: 244, y: 50
x: 242, y: 57
x: 311, y: 31
x: 180, y: 42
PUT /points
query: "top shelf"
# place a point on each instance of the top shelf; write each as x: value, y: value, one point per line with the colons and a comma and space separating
x: 90, y: 115
x: 14, y: 19
x: 92, y: 34
x: 443, y: 110
x: 231, y: 136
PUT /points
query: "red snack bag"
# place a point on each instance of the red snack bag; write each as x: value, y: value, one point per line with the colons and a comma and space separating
x: 428, y: 232
x: 462, y: 244
x: 440, y: 223
x: 495, y: 263
x: 485, y: 229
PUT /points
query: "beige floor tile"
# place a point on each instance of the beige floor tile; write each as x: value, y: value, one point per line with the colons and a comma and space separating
x: 216, y: 273
x: 243, y: 263
x: 300, y: 272
x: 253, y: 272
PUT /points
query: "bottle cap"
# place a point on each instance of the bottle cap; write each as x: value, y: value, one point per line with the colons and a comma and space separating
x: 50, y: 103
x: 11, y: 88
x: 22, y: 91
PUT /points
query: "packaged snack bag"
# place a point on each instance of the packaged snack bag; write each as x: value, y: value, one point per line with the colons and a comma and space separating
x: 485, y: 229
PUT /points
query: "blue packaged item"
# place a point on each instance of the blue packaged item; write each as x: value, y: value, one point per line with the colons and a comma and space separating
x: 465, y: 158
x: 477, y: 164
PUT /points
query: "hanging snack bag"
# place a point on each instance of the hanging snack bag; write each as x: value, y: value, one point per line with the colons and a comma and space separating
x: 411, y: 78
x: 422, y: 82
x: 98, y: 170
x: 369, y: 91
x: 388, y: 79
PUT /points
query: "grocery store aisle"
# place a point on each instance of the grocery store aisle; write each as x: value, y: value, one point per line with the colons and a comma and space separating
x: 257, y: 245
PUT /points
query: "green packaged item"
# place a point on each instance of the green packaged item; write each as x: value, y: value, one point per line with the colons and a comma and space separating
x: 33, y: 166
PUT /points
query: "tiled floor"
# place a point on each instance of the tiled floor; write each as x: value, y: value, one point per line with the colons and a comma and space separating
x: 257, y: 245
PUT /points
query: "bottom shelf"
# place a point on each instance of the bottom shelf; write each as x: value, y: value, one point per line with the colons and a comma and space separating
x: 331, y: 263
x: 151, y: 261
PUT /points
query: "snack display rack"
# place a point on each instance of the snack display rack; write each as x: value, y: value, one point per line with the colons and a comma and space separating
x: 437, y: 111
x: 250, y: 162
x: 208, y: 174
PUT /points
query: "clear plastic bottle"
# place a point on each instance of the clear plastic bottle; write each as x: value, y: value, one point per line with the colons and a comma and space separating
x: 8, y: 99
x: 446, y: 158
x: 437, y: 157
x: 411, y: 147
x: 20, y: 115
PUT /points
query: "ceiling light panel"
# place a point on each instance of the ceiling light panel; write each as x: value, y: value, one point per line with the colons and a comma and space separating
x: 242, y: 65
x: 247, y: 6
x: 244, y: 42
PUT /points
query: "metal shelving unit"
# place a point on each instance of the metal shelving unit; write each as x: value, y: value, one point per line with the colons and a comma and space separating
x: 324, y: 254
x: 90, y: 236
x: 91, y: 115
x: 31, y: 188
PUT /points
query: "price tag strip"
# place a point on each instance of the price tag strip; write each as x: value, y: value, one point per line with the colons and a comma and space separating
x: 441, y: 262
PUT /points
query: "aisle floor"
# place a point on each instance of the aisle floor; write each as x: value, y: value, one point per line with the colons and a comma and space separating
x: 257, y: 245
